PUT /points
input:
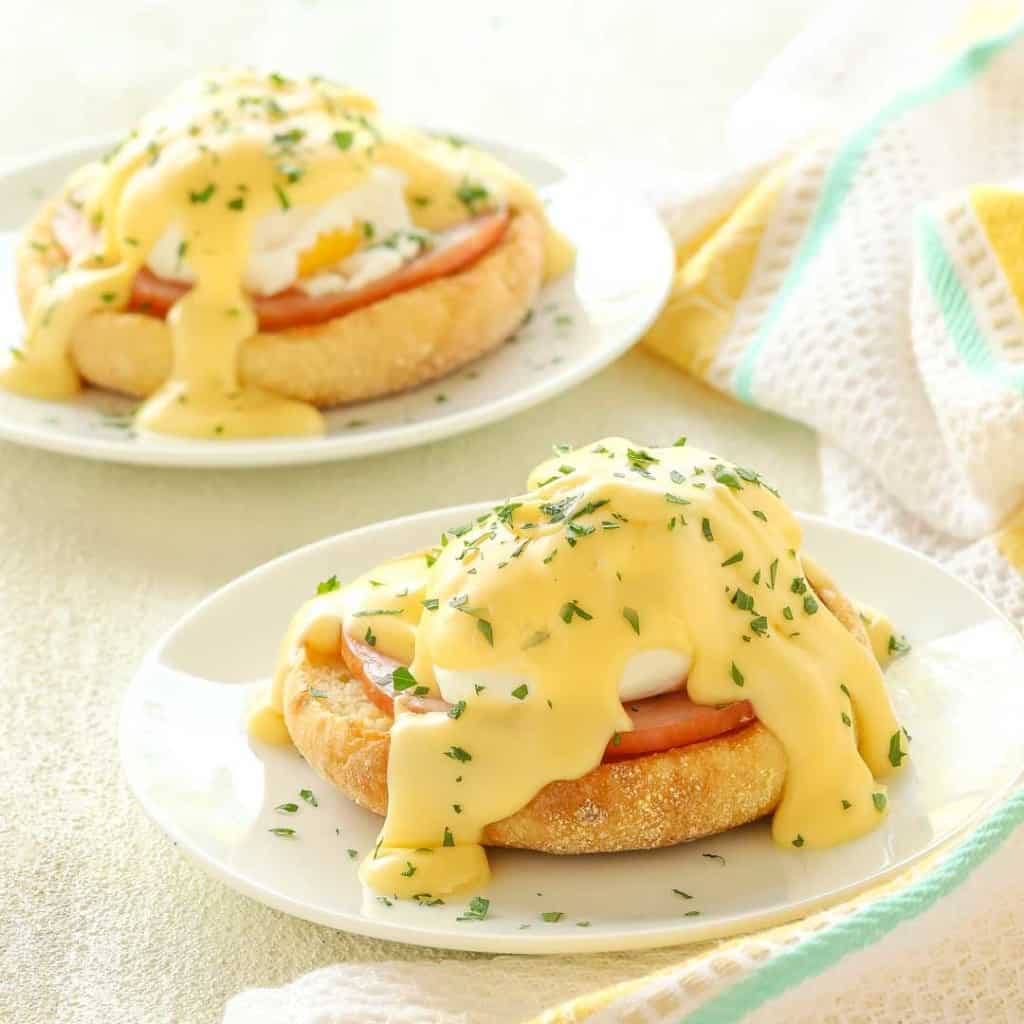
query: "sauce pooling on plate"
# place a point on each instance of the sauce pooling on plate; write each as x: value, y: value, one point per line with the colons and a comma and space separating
x: 524, y: 620
x: 207, y: 191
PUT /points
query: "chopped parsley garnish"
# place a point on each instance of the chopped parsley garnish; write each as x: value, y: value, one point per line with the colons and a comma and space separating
x: 551, y: 916
x: 485, y: 628
x: 897, y: 645
x: 455, y: 711
x: 477, y: 909
x: 410, y: 869
x: 760, y: 515
x: 896, y: 754
x: 798, y: 586
x: 556, y: 510
x: 705, y: 527
x: 743, y: 600
x: 307, y: 795
x: 760, y: 625
x: 571, y: 608
x: 385, y: 901
x: 737, y: 675
x: 471, y: 194
x: 426, y: 899
x: 352, y: 854
x: 799, y: 841
x: 371, y: 637
x: 282, y: 197
x: 676, y: 500
x: 521, y: 691
x: 457, y: 808
x: 504, y: 512
x: 586, y: 510
x: 810, y: 604
x: 479, y: 688
x: 343, y: 140
x: 787, y: 613
x: 458, y: 754
x: 685, y: 895
x: 238, y: 203
x: 327, y: 585
x: 285, y: 833
x: 639, y: 457
x: 679, y: 442
x: 630, y: 615
x: 846, y: 719
x: 288, y: 138
x: 577, y: 530
x: 714, y: 856
x: 842, y: 686
x: 536, y: 638
x: 733, y: 559
x: 448, y: 839
x: 203, y: 195
x: 724, y: 476
x: 430, y: 604
x: 879, y: 800
x: 846, y: 805
x: 772, y: 572
x: 368, y: 612
x: 108, y: 297
x: 287, y: 808
x: 402, y: 679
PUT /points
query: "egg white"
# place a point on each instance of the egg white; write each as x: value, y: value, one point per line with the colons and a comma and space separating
x: 280, y: 237
x: 646, y: 674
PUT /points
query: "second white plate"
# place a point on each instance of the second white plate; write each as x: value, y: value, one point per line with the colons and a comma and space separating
x: 189, y: 760
x: 580, y: 324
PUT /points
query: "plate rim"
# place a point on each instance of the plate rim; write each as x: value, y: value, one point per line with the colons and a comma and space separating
x: 276, y: 452
x: 563, y: 944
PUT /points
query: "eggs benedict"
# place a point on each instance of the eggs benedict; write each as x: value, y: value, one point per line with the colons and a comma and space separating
x: 633, y: 653
x: 260, y: 247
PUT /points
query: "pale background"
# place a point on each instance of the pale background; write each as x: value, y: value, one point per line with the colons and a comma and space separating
x: 102, y: 918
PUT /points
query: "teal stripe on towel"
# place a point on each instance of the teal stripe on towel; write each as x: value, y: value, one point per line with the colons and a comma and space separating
x: 817, y: 954
x: 839, y: 181
x: 957, y: 313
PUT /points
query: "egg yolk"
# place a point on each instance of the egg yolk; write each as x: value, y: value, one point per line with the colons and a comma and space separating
x: 330, y: 247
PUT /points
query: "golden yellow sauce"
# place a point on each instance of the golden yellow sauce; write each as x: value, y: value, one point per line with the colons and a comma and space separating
x: 886, y: 643
x: 614, y: 550
x: 220, y: 154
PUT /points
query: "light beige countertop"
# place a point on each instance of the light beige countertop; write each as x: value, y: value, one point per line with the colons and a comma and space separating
x: 103, y: 918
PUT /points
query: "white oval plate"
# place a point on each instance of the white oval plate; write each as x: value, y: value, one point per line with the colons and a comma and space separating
x: 580, y: 324
x: 189, y: 760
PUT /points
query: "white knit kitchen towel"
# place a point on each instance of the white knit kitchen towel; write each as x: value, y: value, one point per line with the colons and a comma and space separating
x: 862, y: 271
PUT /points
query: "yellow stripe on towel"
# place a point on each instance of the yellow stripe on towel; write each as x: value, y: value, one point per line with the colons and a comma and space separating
x: 1010, y: 541
x: 1000, y: 211
x: 713, y: 269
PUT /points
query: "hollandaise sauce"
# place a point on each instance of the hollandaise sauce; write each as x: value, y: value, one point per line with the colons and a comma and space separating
x: 204, y: 175
x: 524, y: 619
